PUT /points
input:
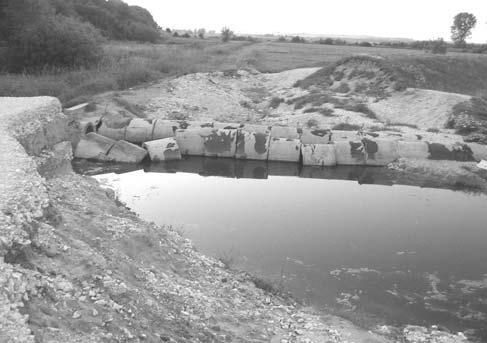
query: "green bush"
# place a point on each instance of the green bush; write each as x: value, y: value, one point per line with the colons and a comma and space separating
x: 54, y: 41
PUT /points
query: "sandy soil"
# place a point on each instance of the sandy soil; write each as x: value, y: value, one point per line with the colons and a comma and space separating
x: 424, y: 108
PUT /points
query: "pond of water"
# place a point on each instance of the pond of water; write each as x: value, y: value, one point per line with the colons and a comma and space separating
x: 349, y: 239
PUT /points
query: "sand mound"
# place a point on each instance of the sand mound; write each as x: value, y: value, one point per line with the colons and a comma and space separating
x: 420, y: 107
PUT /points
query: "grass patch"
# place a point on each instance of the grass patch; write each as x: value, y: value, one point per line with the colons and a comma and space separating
x: 361, y: 108
x: 135, y: 109
x: 343, y: 88
x: 433, y: 130
x: 124, y: 65
x: 275, y: 102
x: 325, y: 111
x: 412, y: 126
x: 267, y: 285
x: 347, y: 127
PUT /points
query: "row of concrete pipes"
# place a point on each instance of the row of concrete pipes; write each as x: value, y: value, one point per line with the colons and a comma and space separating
x: 163, y: 140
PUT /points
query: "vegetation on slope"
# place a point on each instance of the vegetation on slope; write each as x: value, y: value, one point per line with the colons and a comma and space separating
x: 41, y: 34
x: 456, y: 74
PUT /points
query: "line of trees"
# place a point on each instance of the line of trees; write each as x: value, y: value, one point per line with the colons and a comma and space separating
x: 68, y: 33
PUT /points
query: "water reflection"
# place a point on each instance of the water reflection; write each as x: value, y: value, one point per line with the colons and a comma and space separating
x: 243, y: 169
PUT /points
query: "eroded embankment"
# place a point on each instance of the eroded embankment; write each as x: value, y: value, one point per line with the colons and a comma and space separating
x: 76, y: 266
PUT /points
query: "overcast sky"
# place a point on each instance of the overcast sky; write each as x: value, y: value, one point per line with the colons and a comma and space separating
x: 417, y: 19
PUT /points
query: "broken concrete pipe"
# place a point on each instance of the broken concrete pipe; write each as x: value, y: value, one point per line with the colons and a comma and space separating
x: 282, y: 143
x: 166, y: 149
x: 136, y: 130
x: 97, y: 147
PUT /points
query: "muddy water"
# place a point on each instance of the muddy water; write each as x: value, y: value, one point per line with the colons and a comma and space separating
x: 333, y: 237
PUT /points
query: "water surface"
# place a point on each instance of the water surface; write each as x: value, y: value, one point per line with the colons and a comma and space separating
x: 332, y: 236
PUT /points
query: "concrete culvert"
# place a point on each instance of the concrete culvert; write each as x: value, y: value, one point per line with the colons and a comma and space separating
x: 253, y: 142
x: 319, y: 155
x: 286, y: 150
x: 166, y: 149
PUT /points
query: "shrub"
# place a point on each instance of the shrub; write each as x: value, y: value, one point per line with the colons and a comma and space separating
x: 275, y: 102
x: 133, y: 75
x: 343, y: 88
x: 54, y: 41
x: 227, y: 34
x: 282, y: 39
x: 326, y: 41
x: 347, y: 127
x: 365, y: 44
x: 438, y: 46
x: 298, y: 39
x: 312, y: 123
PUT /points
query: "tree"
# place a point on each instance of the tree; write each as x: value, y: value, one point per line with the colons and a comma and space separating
x: 463, y: 23
x: 201, y: 33
x: 227, y: 34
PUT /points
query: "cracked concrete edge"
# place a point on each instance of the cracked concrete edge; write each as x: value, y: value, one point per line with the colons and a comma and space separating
x: 24, y: 132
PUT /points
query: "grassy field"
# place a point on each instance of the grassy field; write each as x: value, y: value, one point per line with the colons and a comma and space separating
x: 129, y: 64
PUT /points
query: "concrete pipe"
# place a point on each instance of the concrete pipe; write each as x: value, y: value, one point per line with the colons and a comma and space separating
x: 319, y: 155
x: 163, y: 129
x: 94, y: 146
x: 286, y: 150
x: 285, y: 132
x: 125, y: 152
x: 413, y: 150
x: 450, y: 151
x: 380, y: 152
x: 207, y: 142
x: 253, y: 143
x: 350, y: 153
x: 113, y: 128
x: 139, y: 131
x: 166, y: 149
x: 319, y: 136
x: 221, y: 143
